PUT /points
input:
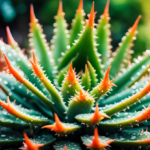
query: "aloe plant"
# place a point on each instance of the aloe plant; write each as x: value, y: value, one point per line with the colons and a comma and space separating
x: 44, y: 90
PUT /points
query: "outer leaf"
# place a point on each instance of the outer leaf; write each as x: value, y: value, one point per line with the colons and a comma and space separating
x: 8, y: 121
x: 62, y: 128
x: 124, y: 119
x: 44, y: 139
x: 22, y: 114
x: 103, y: 34
x: 132, y: 138
x: 123, y: 50
x: 77, y: 24
x: 132, y: 74
x: 59, y: 41
x: 12, y: 137
x: 129, y: 101
x: 39, y: 44
x: 69, y: 145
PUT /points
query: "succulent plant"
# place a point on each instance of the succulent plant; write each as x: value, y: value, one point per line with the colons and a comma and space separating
x: 51, y: 95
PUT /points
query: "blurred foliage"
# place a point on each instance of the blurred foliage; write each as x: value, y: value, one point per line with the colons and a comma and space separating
x: 123, y: 13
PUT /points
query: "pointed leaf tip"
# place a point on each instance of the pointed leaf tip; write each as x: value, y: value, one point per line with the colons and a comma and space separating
x: 65, y: 148
x: 92, y: 16
x: 106, y: 78
x: 80, y: 7
x: 32, y: 15
x: 60, y: 9
x: 30, y: 145
x: 106, y: 10
x: 98, y: 116
x: 10, y: 39
x: 96, y: 142
x: 133, y: 28
x: 71, y: 75
x: 57, y: 126
x: 13, y: 71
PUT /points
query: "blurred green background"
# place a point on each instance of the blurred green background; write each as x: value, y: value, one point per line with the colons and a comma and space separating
x: 123, y: 13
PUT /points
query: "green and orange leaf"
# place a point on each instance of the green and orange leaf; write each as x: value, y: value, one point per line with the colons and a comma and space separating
x: 61, y: 128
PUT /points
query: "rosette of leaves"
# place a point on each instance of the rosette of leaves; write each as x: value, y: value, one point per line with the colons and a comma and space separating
x: 75, y: 85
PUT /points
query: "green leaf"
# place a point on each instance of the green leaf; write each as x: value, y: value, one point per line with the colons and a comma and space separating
x: 85, y: 79
x: 44, y: 139
x: 123, y: 119
x: 93, y: 75
x: 77, y: 24
x: 70, y: 145
x: 132, y: 74
x: 39, y: 44
x: 59, y: 41
x: 131, y: 138
x: 122, y: 53
x: 9, y: 137
x: 103, y: 37
x: 80, y: 104
x: 86, y: 139
x: 9, y: 121
x: 26, y: 115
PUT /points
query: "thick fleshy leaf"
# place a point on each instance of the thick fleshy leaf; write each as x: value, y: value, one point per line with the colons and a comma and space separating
x: 132, y: 138
x: 8, y: 121
x: 62, y: 128
x: 128, y: 101
x: 10, y: 137
x: 80, y: 104
x: 69, y: 145
x: 70, y: 85
x: 96, y: 142
x: 77, y: 24
x: 126, y: 119
x: 122, y: 53
x: 59, y: 41
x: 55, y: 95
x: 85, y: 79
x: 103, y: 36
x: 23, y: 114
x: 133, y: 73
x: 92, y: 118
x: 39, y: 44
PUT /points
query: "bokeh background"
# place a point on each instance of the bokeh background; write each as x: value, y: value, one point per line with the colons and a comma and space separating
x: 15, y: 14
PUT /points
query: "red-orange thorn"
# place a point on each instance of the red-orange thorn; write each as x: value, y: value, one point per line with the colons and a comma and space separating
x: 10, y: 39
x: 92, y: 16
x: 60, y: 9
x: 65, y: 148
x: 35, y: 66
x: 98, y: 116
x: 133, y: 28
x: 106, y: 10
x: 106, y: 82
x: 29, y: 145
x: 13, y: 71
x: 96, y: 143
x: 82, y: 95
x: 58, y: 127
x: 80, y: 7
x: 32, y: 15
x: 71, y: 75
